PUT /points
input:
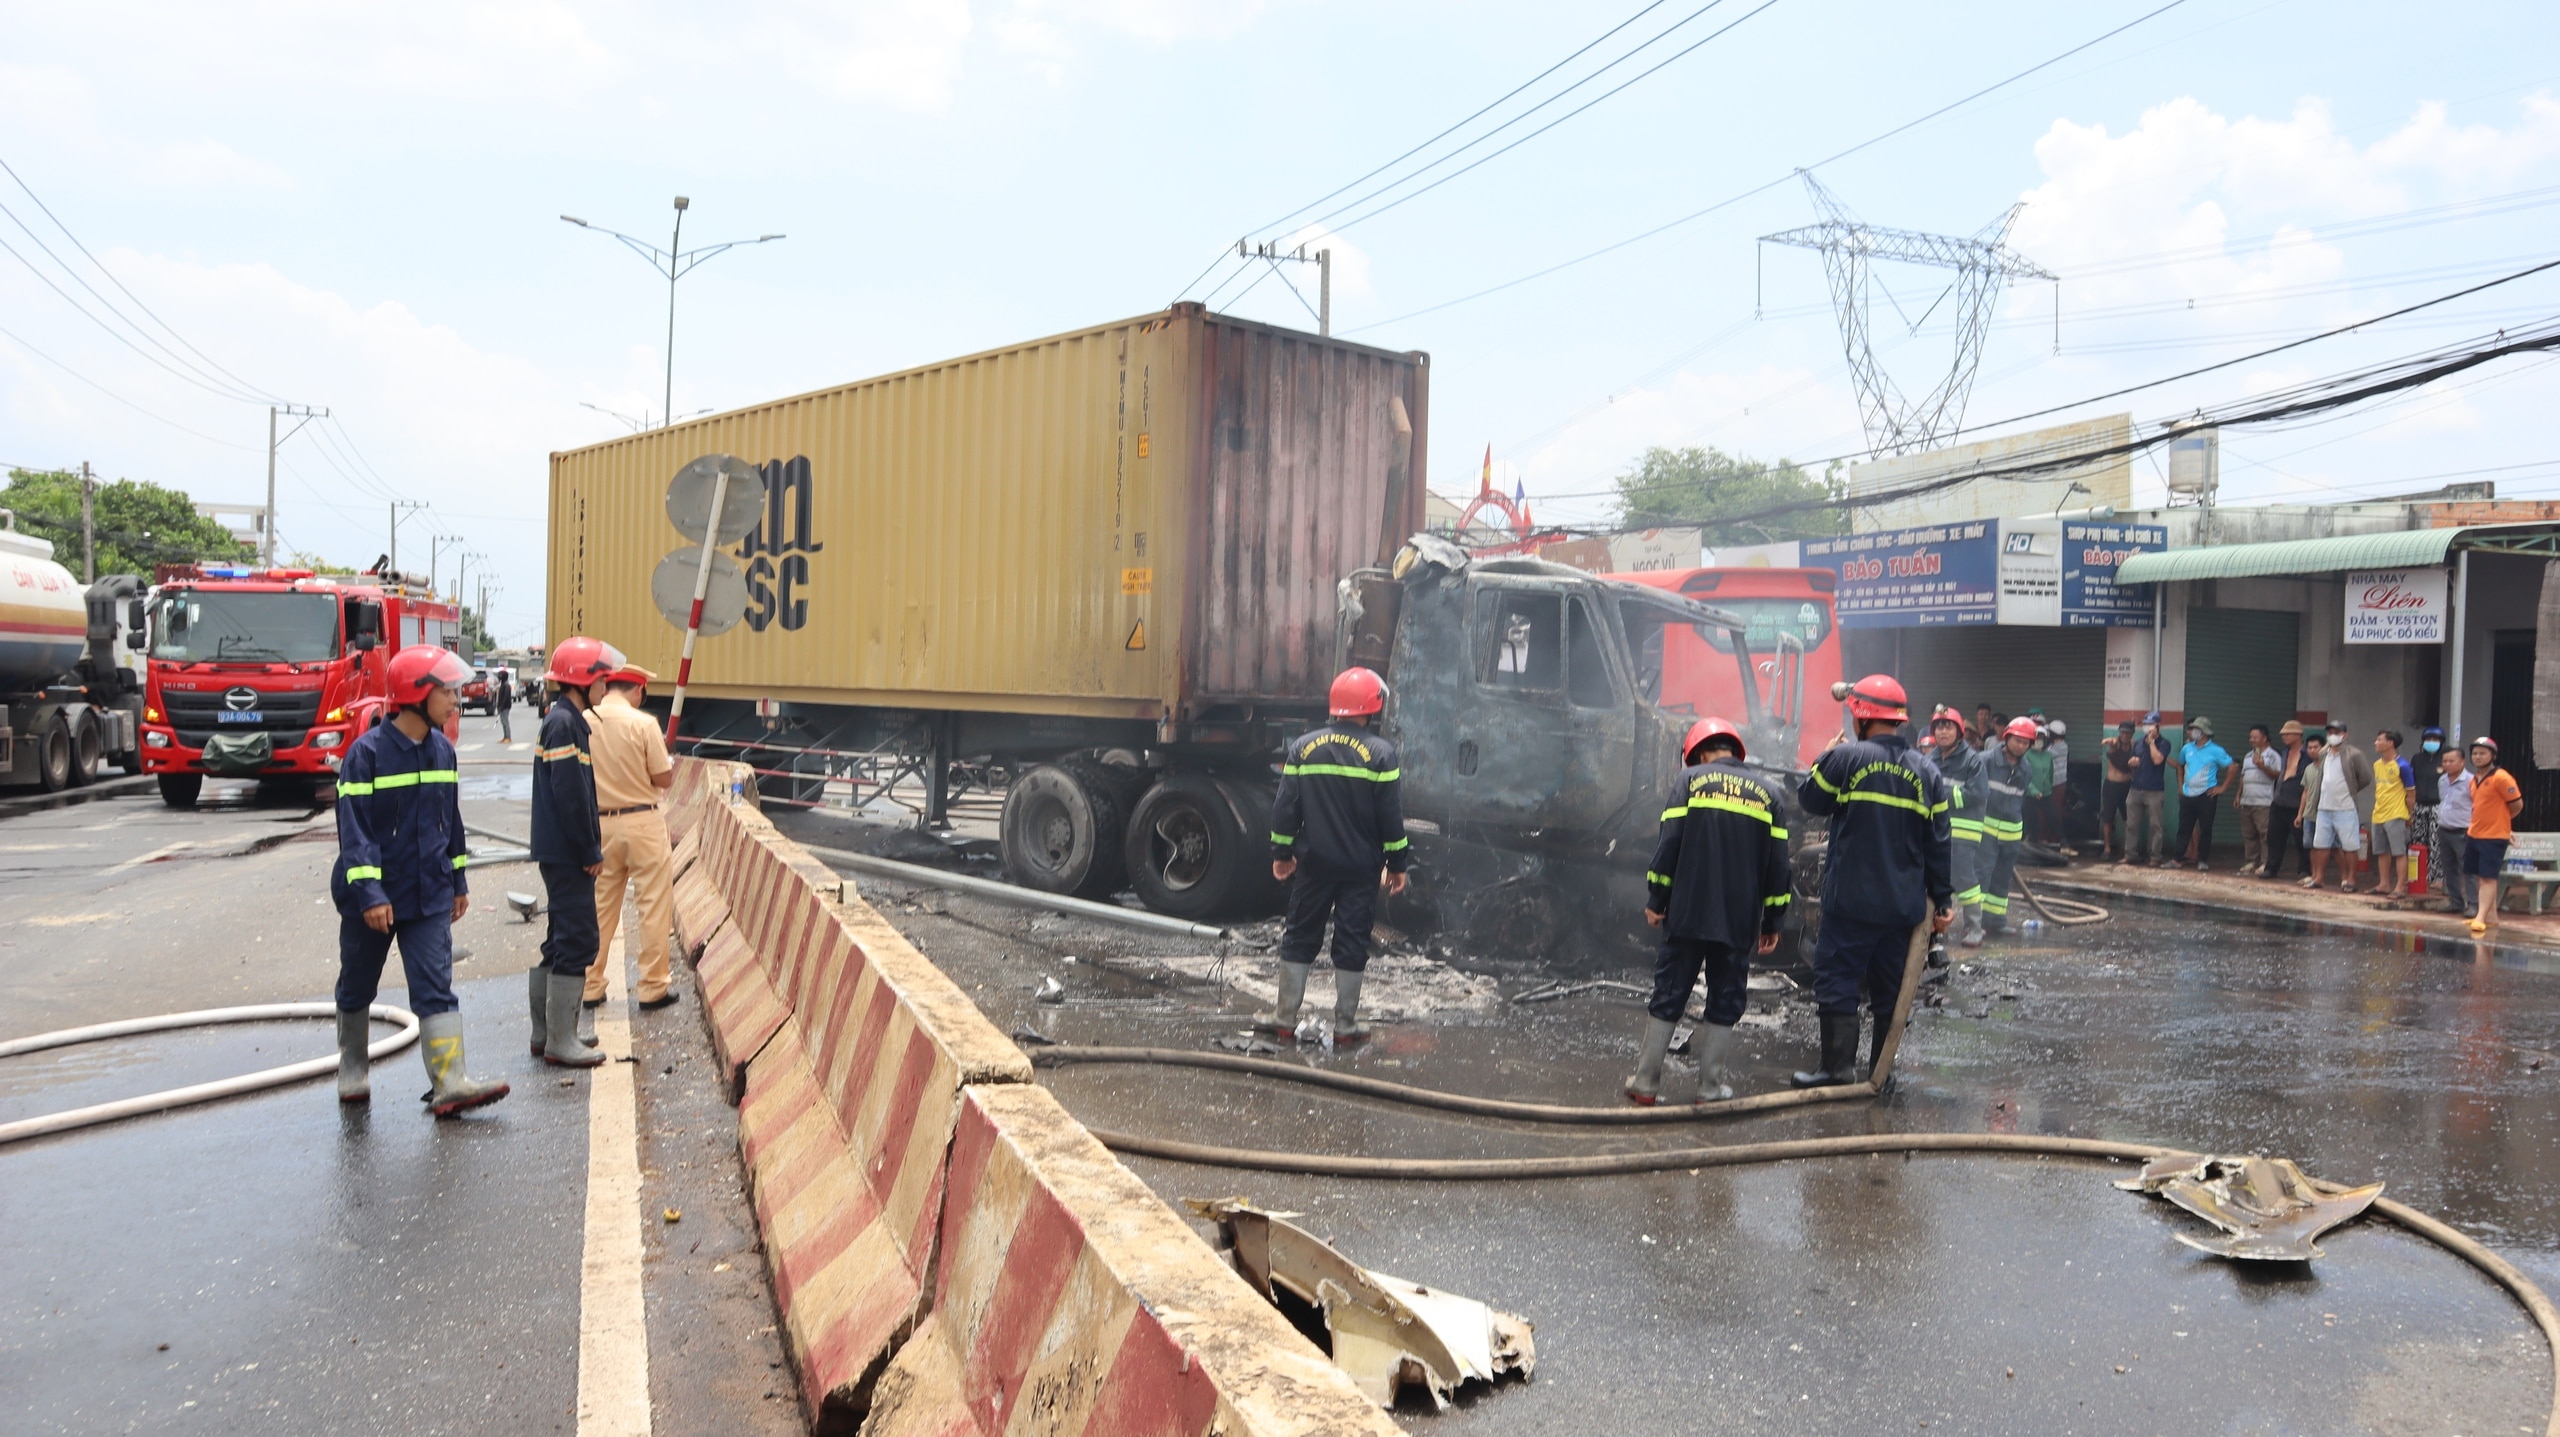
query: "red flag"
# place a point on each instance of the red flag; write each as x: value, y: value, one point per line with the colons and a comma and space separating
x: 1486, y: 485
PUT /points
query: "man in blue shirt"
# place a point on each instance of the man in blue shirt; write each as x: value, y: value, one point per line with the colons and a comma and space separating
x: 2143, y: 825
x: 399, y: 874
x: 2206, y: 771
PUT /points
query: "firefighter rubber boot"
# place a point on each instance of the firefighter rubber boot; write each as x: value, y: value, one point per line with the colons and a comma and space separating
x: 1644, y: 1089
x: 1972, y: 928
x: 562, y: 1047
x: 1839, y: 1054
x: 1715, y: 1058
x: 537, y: 982
x: 440, y: 1042
x: 1282, y: 1022
x: 355, y: 1032
x: 1346, y: 1007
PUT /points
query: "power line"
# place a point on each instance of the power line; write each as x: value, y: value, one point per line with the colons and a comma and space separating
x: 263, y: 395
x: 1765, y: 187
x: 1551, y: 124
x: 118, y: 335
x: 120, y: 399
x: 1444, y: 134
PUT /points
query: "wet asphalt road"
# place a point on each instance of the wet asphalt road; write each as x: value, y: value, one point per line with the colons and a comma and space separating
x: 312, y: 1269
x: 1967, y: 1294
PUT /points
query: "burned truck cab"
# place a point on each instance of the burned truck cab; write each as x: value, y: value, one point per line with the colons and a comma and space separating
x: 1526, y: 701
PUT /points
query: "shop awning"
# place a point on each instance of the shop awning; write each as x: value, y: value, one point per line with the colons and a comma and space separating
x: 2397, y: 549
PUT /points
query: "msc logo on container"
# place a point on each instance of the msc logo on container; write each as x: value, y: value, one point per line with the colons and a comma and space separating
x: 776, y: 552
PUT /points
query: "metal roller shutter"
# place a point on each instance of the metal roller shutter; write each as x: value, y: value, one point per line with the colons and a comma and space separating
x: 2062, y: 671
x: 2240, y: 670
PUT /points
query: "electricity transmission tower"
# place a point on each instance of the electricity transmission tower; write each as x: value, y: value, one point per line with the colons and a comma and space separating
x: 1983, y: 263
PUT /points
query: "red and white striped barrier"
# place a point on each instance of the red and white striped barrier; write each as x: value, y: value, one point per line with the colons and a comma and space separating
x: 1070, y: 1300
x: 740, y: 1005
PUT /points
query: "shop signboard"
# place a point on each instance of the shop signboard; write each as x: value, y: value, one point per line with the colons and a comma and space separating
x: 2091, y: 552
x: 2396, y: 606
x: 1919, y: 578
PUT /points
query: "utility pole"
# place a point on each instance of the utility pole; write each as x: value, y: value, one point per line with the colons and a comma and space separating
x: 435, y: 552
x: 88, y: 525
x: 675, y: 262
x: 1322, y: 259
x: 393, y: 561
x: 267, y: 523
x: 459, y: 582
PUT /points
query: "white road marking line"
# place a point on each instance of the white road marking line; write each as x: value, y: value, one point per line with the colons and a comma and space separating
x: 154, y: 855
x: 613, y: 1329
x: 469, y: 747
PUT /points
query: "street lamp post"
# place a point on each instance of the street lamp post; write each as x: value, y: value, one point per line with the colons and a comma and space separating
x: 675, y: 262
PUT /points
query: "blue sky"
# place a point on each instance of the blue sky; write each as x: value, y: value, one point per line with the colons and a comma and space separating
x: 355, y: 205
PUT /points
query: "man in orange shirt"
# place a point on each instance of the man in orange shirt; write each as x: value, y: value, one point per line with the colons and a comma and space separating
x: 632, y: 769
x: 2495, y: 802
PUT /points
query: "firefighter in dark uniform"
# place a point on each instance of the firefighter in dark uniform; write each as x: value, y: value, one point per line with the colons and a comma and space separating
x: 1718, y: 890
x: 1338, y: 819
x: 1884, y: 872
x: 568, y: 845
x: 399, y: 875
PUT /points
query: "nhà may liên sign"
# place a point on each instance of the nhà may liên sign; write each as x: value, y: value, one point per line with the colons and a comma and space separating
x: 2396, y: 606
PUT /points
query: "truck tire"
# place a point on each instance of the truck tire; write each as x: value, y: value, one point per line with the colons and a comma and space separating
x: 1062, y: 830
x: 54, y: 755
x: 1189, y: 855
x: 131, y: 760
x: 88, y: 752
x: 179, y: 790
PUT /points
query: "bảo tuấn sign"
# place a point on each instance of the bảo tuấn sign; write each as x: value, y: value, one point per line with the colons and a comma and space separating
x: 2396, y: 606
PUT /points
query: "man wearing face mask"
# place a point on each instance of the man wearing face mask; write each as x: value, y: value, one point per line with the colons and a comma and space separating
x: 2426, y: 798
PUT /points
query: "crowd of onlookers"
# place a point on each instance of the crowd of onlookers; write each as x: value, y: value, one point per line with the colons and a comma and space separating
x: 2316, y: 796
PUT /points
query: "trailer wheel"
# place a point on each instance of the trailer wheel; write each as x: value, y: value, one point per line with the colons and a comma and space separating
x: 1062, y: 831
x: 179, y: 790
x: 88, y: 752
x: 1188, y: 854
x: 53, y: 756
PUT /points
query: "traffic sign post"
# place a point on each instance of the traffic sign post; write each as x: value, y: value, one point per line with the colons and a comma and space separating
x: 719, y: 496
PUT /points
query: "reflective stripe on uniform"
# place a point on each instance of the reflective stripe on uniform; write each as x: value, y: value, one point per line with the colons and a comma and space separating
x: 353, y: 790
x: 461, y: 861
x: 1398, y: 846
x: 362, y: 871
x: 1282, y: 838
x: 1965, y: 827
x: 1971, y: 897
x: 412, y: 780
x: 1781, y: 901
x: 1338, y: 770
x: 1662, y: 878
x: 1995, y: 904
x: 1727, y: 805
x: 2004, y: 830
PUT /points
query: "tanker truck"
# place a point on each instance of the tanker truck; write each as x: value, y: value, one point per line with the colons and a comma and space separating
x: 71, y: 679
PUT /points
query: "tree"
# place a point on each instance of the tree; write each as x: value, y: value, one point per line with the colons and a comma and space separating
x: 139, y: 525
x: 328, y: 568
x: 1705, y: 486
x: 475, y: 632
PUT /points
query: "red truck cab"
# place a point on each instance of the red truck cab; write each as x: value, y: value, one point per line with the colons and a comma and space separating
x: 1698, y: 674
x: 268, y: 674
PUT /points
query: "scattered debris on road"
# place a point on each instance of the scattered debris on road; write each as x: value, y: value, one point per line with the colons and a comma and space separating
x: 2269, y: 1208
x: 1386, y: 1332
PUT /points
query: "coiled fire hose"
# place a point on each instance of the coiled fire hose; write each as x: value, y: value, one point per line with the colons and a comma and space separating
x: 2497, y: 1269
x: 405, y: 1034
x: 2068, y: 912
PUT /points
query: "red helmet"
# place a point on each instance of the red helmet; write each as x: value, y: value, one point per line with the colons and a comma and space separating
x: 1707, y: 728
x: 581, y: 662
x: 1878, y: 696
x: 2021, y: 727
x: 1357, y: 693
x: 2484, y: 741
x: 1948, y: 715
x: 420, y: 667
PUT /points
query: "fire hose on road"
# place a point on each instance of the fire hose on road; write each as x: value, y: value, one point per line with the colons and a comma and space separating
x: 405, y: 1034
x: 2497, y: 1269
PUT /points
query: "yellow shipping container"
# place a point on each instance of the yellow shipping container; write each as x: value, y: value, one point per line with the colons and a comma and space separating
x: 1141, y: 521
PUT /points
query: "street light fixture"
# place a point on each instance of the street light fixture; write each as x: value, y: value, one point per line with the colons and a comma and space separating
x: 675, y: 262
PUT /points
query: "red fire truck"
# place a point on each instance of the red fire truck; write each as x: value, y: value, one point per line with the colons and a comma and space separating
x: 268, y: 674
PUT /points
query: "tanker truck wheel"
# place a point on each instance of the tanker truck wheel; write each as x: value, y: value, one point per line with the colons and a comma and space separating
x: 179, y: 790
x: 1189, y: 855
x: 54, y: 757
x: 88, y: 753
x: 1062, y: 830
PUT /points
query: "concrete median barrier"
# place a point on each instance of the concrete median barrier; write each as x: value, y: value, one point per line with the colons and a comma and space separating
x: 739, y: 1004
x: 1068, y: 1299
x: 947, y: 1245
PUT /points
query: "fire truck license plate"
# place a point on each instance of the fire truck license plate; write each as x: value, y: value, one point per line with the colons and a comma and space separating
x: 240, y: 716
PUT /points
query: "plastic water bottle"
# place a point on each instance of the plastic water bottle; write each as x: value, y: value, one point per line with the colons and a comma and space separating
x: 2032, y: 925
